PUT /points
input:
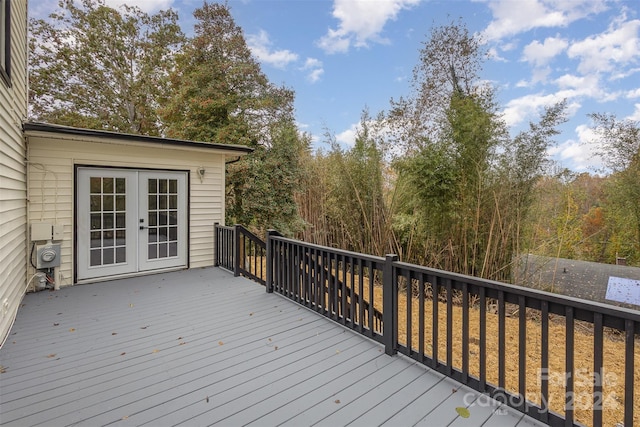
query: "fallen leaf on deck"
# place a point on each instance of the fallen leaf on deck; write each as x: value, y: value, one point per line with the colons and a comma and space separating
x: 143, y: 327
x: 250, y: 314
x: 207, y: 399
x: 130, y: 305
x: 50, y: 356
x: 56, y: 324
x: 453, y: 390
x: 182, y: 343
x: 463, y: 412
x: 2, y: 369
x: 72, y: 329
x: 220, y: 343
x: 125, y: 417
x: 337, y: 400
x: 276, y: 347
x: 179, y: 338
x: 122, y: 354
x: 155, y: 350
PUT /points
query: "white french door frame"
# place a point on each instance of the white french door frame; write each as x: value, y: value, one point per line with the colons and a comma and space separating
x: 130, y: 221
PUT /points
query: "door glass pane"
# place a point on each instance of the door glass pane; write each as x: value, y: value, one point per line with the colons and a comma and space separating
x: 162, y: 211
x: 95, y: 203
x: 95, y: 258
x: 107, y: 204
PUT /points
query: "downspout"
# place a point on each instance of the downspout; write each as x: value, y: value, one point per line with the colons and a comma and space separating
x: 233, y: 161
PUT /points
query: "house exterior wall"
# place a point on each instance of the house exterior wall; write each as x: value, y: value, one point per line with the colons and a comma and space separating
x: 52, y: 159
x: 13, y: 211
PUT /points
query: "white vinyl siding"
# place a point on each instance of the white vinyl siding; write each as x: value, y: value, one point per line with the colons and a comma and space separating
x: 51, y: 184
x: 13, y: 211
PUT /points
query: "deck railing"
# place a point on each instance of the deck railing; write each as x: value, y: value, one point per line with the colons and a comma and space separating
x: 523, y: 347
x: 240, y: 251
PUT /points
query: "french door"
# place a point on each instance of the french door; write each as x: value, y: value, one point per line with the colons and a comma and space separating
x: 130, y: 221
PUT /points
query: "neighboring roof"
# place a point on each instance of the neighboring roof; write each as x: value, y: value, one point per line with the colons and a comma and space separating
x: 68, y: 130
x: 581, y: 279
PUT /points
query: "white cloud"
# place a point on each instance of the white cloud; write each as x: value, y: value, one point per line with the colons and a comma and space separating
x: 529, y: 106
x: 361, y: 21
x: 260, y: 46
x: 540, y: 54
x: 635, y: 93
x: 495, y: 56
x: 514, y: 17
x: 579, y: 155
x: 348, y: 136
x: 315, y: 75
x: 636, y: 113
x: 148, y: 6
x: 314, y: 68
x: 605, y: 52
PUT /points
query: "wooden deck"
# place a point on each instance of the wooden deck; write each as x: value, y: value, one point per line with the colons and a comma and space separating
x: 201, y: 347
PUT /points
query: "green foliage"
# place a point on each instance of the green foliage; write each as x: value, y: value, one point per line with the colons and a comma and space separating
x: 262, y: 186
x: 80, y: 77
x: 343, y: 195
x: 220, y: 92
x: 619, y: 142
x: 222, y: 96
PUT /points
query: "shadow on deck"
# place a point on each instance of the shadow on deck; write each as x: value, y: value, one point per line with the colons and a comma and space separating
x: 201, y: 347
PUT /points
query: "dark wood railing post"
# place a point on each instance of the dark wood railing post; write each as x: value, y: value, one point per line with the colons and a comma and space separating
x: 236, y: 250
x: 269, y: 284
x: 216, y: 244
x: 390, y: 306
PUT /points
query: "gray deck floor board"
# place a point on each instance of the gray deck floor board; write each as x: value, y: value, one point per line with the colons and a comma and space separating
x: 201, y: 347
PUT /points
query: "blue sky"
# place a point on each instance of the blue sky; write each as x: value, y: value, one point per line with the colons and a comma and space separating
x: 341, y: 56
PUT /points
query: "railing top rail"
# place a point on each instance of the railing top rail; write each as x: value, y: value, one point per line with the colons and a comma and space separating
x: 593, y: 306
x: 351, y: 254
x: 250, y: 235
x: 224, y: 227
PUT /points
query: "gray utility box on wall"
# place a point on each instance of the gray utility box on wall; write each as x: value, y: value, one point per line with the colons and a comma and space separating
x: 48, y: 256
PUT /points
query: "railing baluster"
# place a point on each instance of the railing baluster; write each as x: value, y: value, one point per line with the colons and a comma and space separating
x: 522, y: 352
x: 501, y: 340
x: 598, y: 372
x: 569, y: 367
x: 544, y: 361
x: 629, y: 371
x: 352, y: 300
x: 449, y: 327
x: 409, y: 320
x: 344, y: 286
x: 421, y: 318
x: 434, y: 320
x: 465, y: 333
x: 361, y: 296
x: 371, y: 300
x: 483, y: 340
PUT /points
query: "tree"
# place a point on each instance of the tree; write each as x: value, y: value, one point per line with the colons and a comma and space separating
x: 466, y: 186
x: 619, y: 147
x: 221, y: 95
x: 449, y: 61
x: 97, y: 67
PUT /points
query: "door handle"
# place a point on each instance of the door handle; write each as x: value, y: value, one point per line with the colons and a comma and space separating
x: 142, y: 227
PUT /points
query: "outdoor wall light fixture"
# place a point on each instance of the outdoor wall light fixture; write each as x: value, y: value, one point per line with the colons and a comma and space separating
x: 201, y: 172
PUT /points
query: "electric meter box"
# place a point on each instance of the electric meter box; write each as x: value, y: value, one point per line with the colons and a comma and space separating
x: 48, y: 256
